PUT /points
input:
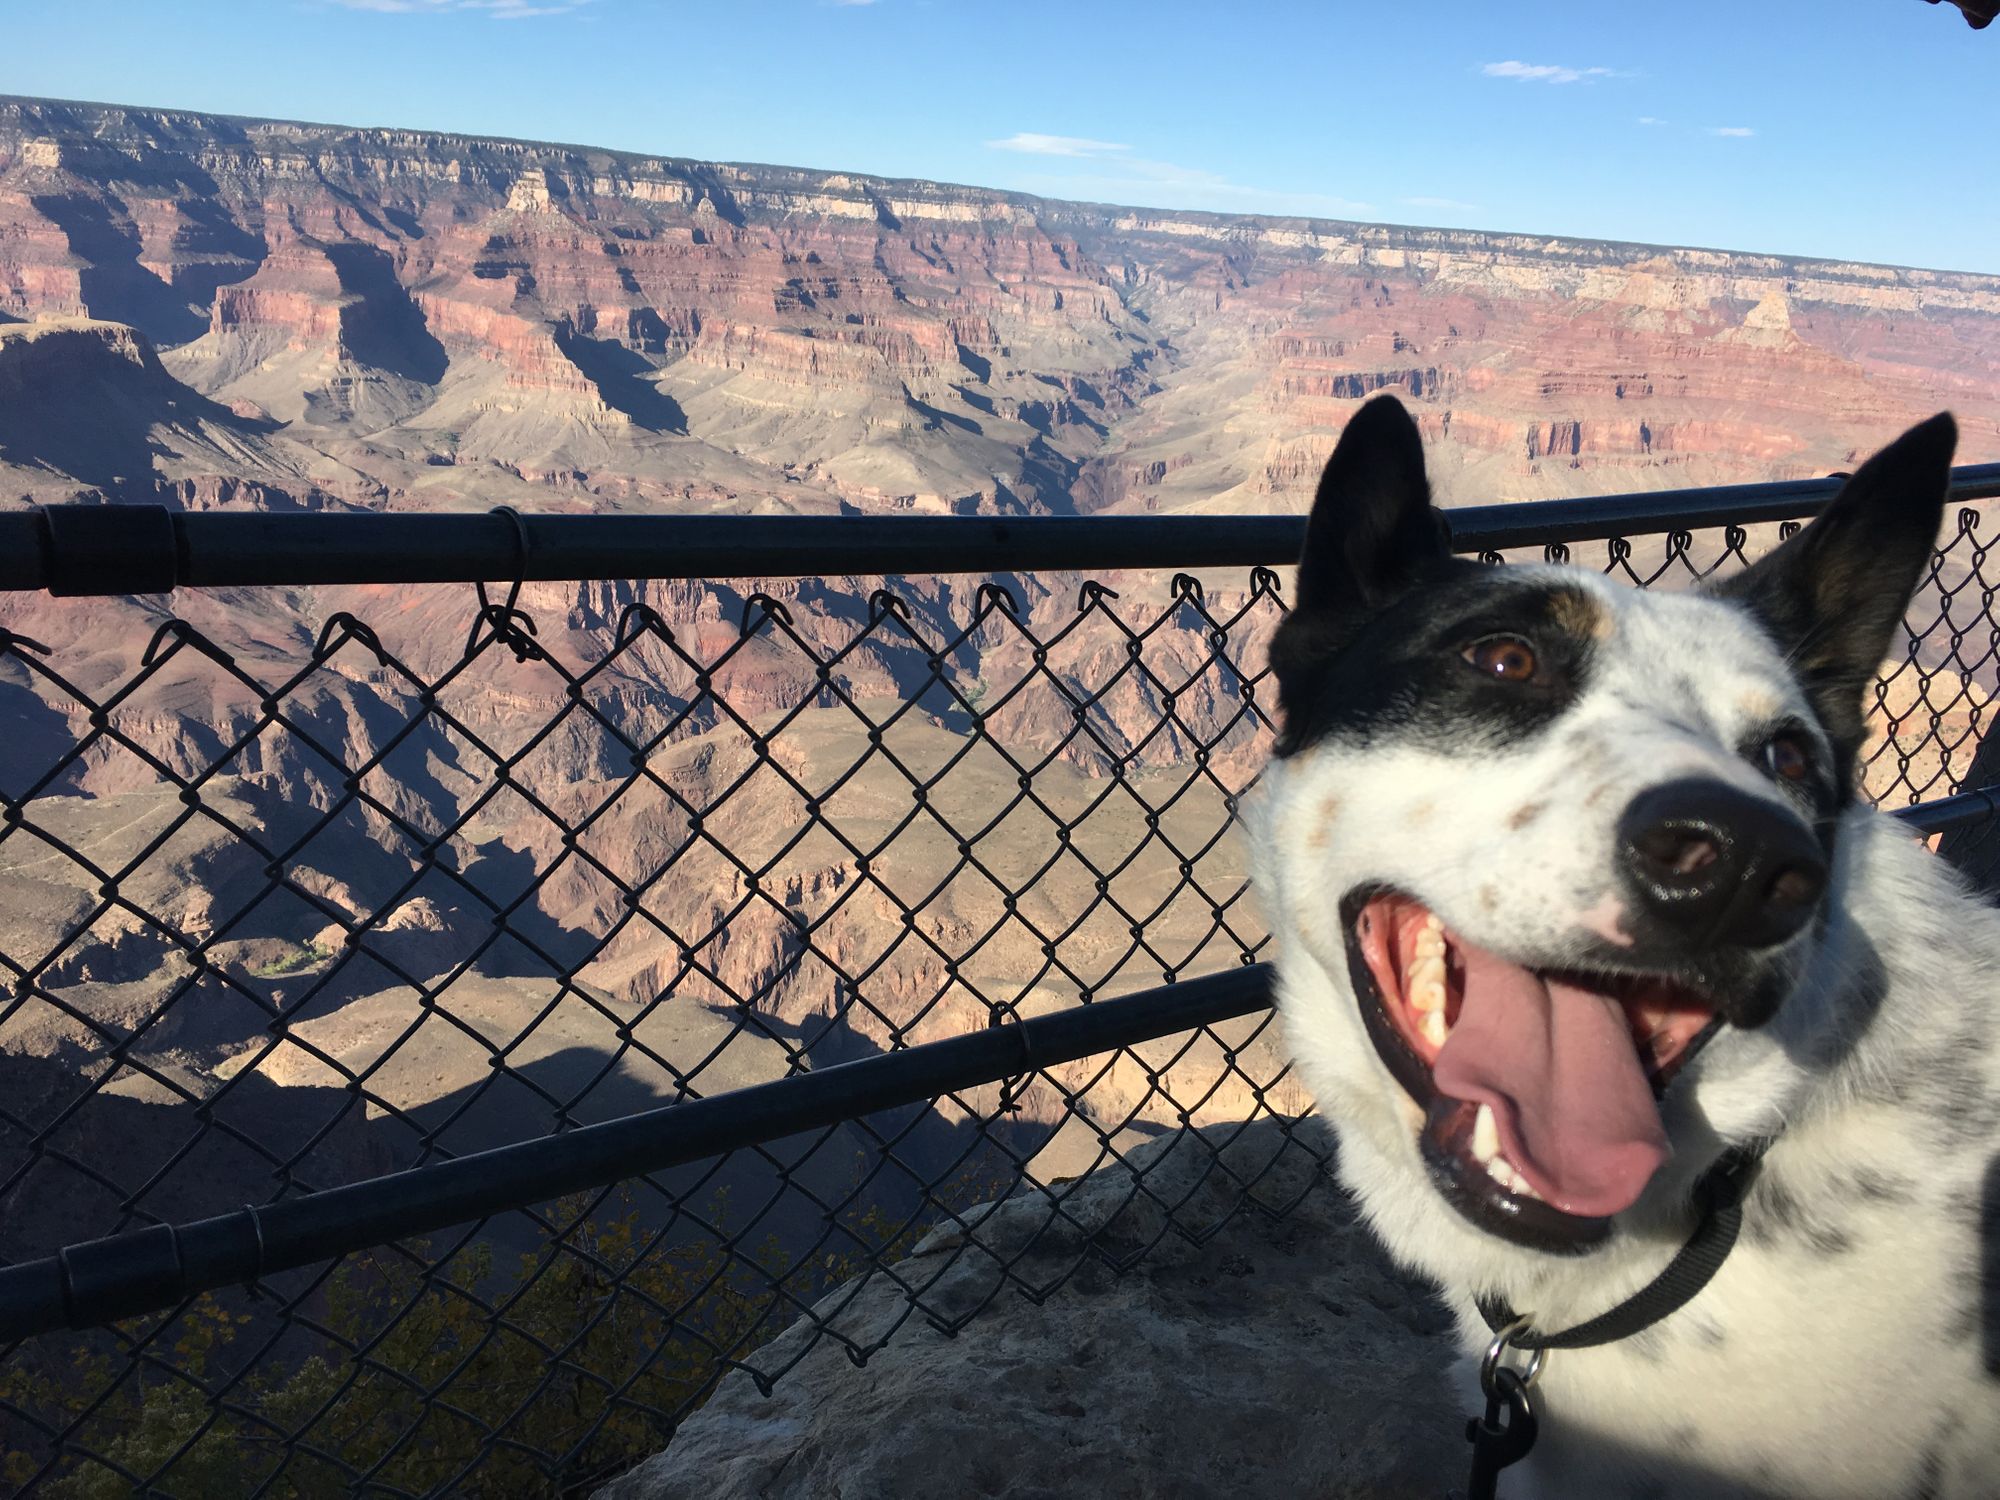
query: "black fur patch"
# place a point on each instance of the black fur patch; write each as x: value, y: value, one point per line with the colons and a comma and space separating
x: 1775, y: 1217
x: 1930, y: 1470
x: 1873, y: 1186
x: 1833, y: 596
x: 1930, y: 1477
x: 1707, y: 1331
x: 1400, y: 673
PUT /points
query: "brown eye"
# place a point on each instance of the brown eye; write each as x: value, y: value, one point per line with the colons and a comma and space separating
x: 1787, y: 758
x: 1505, y: 658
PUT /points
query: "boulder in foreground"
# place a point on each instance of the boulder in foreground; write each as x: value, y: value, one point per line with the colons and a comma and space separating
x: 1282, y: 1357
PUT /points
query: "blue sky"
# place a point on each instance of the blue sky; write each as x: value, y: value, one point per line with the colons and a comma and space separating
x: 1847, y: 128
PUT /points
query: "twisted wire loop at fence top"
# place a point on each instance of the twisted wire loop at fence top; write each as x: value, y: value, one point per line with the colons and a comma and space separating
x: 302, y: 892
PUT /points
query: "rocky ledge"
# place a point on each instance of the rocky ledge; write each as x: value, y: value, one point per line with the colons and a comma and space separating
x: 1271, y: 1350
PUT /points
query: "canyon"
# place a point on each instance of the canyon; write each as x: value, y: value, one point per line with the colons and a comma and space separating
x: 209, y: 312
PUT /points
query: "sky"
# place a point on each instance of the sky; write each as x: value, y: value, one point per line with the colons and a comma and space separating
x: 1851, y: 129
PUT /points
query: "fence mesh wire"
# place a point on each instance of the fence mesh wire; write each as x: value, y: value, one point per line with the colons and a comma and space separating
x: 300, y: 888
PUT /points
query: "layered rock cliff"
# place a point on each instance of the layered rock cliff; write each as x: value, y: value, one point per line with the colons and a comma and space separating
x: 439, y: 320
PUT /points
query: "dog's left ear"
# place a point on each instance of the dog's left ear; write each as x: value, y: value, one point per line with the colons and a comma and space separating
x: 1834, y: 594
x: 1372, y: 524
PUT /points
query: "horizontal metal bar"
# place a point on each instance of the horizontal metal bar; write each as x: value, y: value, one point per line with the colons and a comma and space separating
x: 93, y: 549
x: 1960, y: 810
x: 126, y: 1274
x: 1477, y: 528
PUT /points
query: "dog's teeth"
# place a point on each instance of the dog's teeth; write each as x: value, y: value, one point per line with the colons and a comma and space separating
x: 1427, y: 996
x: 1427, y: 970
x: 1486, y: 1151
x: 1430, y: 940
x: 1485, y: 1135
x: 1431, y: 1023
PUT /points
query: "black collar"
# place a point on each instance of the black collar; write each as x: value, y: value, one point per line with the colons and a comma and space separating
x: 1720, y: 1195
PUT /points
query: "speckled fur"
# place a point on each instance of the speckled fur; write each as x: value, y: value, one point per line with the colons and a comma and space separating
x: 1847, y: 1347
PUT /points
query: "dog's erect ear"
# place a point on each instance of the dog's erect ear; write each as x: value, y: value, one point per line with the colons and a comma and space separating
x: 1372, y: 523
x: 1834, y: 594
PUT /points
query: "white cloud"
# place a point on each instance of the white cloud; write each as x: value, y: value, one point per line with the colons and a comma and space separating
x: 1035, y: 144
x: 1451, y: 204
x: 1731, y: 130
x: 1651, y: 120
x: 1545, y: 72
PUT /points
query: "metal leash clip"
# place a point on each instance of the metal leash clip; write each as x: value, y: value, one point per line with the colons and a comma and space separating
x: 1498, y: 1441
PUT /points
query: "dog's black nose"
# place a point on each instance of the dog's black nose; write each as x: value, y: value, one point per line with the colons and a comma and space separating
x: 1718, y: 867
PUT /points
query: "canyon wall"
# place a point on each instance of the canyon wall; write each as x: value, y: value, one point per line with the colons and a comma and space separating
x: 240, y: 313
x: 412, y: 319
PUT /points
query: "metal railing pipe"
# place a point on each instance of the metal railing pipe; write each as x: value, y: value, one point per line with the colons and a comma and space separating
x: 126, y: 1274
x: 125, y: 549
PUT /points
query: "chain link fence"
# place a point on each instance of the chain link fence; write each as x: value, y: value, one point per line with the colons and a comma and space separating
x: 298, y: 889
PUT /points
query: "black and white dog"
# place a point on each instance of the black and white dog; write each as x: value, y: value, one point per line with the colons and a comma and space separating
x: 1572, y: 896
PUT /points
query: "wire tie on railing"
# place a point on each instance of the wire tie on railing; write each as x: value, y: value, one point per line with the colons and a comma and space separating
x: 520, y: 552
x: 1014, y: 1085
x: 1093, y: 593
x: 68, y: 1278
x: 1968, y: 520
x: 507, y: 624
x: 257, y: 1226
x: 507, y: 618
x: 180, y: 1260
x: 1185, y: 586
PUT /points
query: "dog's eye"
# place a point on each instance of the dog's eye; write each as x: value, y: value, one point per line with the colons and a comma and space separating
x: 1787, y: 757
x: 1505, y: 658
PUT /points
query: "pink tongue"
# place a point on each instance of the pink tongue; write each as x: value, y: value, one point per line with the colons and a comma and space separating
x: 1558, y: 1065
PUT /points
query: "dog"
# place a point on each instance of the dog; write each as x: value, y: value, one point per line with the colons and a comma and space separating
x: 1575, y: 905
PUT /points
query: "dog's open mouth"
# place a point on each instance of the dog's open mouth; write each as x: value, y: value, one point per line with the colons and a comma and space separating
x: 1539, y: 1088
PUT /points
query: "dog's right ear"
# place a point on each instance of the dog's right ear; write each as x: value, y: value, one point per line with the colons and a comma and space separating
x: 1372, y: 525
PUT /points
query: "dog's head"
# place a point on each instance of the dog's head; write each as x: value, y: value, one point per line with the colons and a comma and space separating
x: 1548, y: 858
